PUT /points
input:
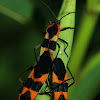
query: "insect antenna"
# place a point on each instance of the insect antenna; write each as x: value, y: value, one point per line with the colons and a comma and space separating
x: 66, y: 15
x: 49, y: 9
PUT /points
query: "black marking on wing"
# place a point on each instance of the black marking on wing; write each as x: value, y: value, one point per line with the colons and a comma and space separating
x: 33, y: 85
x: 36, y: 86
x: 61, y: 97
x: 28, y: 83
x: 60, y: 87
x: 45, y: 43
x: 25, y: 96
x: 52, y: 45
x: 43, y: 65
x: 59, y: 68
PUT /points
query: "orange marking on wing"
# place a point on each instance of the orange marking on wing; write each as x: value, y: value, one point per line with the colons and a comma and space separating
x: 57, y: 95
x: 55, y: 79
x: 42, y: 48
x: 41, y: 79
x: 52, y: 53
x: 24, y: 90
x: 65, y: 95
x: 55, y: 38
x: 42, y: 51
x: 19, y: 96
x: 49, y: 39
x: 33, y: 94
x: 49, y: 26
x: 46, y: 49
x: 31, y: 75
x: 46, y: 35
x: 57, y: 21
x: 57, y: 33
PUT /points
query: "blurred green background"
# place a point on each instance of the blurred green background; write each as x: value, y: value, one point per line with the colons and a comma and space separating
x: 22, y: 23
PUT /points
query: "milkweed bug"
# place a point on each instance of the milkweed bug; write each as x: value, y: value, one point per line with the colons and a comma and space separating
x: 59, y: 74
x: 40, y: 71
x: 60, y: 80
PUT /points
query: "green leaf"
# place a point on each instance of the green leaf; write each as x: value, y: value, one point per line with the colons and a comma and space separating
x: 68, y: 21
x: 89, y: 86
x: 19, y: 10
x: 88, y: 80
x: 93, y: 6
x: 82, y: 40
x: 90, y: 65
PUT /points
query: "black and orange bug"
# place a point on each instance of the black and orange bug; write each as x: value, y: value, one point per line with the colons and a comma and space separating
x: 59, y: 75
x: 53, y: 32
x: 59, y: 80
x: 40, y: 72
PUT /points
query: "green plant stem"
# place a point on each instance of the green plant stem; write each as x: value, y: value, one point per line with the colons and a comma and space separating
x: 88, y: 87
x: 83, y: 39
x: 89, y: 80
x: 90, y: 65
x: 12, y: 14
x: 67, y: 35
x: 17, y: 10
x: 67, y: 21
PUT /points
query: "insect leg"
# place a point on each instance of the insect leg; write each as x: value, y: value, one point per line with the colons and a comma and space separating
x: 19, y: 77
x: 30, y: 68
x: 36, y: 47
x: 48, y: 85
x: 71, y: 75
x: 65, y: 47
x: 67, y: 28
x: 58, y: 51
x: 52, y: 89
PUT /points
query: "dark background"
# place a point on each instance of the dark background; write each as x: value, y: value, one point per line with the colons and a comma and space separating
x: 18, y: 39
